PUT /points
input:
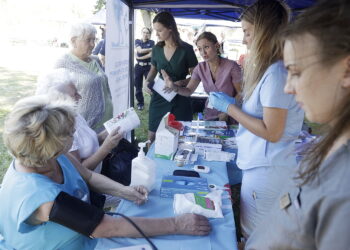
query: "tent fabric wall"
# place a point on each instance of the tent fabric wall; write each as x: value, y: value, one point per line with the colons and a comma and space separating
x: 199, y: 9
x: 208, y: 9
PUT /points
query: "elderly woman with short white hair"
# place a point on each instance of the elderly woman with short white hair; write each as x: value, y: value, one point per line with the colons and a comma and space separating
x: 96, y: 103
x: 88, y: 147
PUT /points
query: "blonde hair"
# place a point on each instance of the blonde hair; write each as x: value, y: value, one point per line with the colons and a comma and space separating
x: 269, y: 18
x: 37, y: 130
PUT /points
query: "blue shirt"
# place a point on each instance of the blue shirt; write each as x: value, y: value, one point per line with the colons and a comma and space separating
x: 144, y: 45
x: 254, y: 151
x: 22, y: 193
x: 100, y: 48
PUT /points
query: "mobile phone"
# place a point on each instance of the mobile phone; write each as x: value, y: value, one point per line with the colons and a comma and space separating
x: 201, y: 169
x: 188, y: 173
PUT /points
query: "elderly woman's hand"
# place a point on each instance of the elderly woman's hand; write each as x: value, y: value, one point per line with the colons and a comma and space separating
x: 137, y: 194
x: 192, y: 224
x: 112, y: 140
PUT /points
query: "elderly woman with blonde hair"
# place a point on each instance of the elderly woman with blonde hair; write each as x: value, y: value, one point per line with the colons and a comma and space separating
x: 96, y: 103
x: 44, y: 194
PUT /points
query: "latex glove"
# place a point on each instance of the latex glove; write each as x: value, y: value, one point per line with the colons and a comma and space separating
x: 112, y: 140
x: 192, y: 224
x: 220, y: 101
x: 137, y: 194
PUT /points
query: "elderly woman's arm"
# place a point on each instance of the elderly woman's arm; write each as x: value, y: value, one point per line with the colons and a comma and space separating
x: 108, y: 144
x: 102, y: 184
x: 189, y: 224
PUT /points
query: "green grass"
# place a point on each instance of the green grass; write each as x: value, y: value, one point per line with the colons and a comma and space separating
x: 316, y: 128
x: 141, y: 133
x: 14, y: 85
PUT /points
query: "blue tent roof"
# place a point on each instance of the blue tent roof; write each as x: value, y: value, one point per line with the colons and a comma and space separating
x: 208, y: 9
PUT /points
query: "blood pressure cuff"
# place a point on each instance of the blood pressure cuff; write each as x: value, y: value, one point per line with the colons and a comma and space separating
x: 75, y: 214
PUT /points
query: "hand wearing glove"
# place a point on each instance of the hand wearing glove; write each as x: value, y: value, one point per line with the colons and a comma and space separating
x: 220, y: 101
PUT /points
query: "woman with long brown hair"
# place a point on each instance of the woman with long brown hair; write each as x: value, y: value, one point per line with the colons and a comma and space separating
x: 178, y: 60
x: 270, y: 120
x: 216, y: 74
x: 314, y: 208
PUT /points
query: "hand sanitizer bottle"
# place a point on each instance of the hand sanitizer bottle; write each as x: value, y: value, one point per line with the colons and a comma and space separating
x: 143, y: 170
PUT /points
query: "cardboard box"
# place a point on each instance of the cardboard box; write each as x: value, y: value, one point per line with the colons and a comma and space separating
x: 172, y: 185
x: 167, y: 139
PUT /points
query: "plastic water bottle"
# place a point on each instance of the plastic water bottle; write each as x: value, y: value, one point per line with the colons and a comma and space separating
x: 143, y: 169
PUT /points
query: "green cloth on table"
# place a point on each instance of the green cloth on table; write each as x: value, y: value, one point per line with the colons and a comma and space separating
x: 177, y: 68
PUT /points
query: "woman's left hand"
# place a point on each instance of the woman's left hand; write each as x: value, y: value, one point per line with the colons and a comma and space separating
x: 169, y: 84
x: 137, y: 194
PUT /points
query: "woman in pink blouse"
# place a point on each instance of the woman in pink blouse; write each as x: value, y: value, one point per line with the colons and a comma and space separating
x: 217, y: 74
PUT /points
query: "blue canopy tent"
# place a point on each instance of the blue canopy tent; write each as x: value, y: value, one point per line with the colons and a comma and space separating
x: 207, y: 9
x: 229, y: 10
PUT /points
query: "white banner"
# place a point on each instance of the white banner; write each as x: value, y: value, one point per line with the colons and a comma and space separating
x: 117, y: 54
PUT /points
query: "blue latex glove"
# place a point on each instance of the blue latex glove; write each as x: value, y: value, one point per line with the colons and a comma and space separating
x: 220, y: 101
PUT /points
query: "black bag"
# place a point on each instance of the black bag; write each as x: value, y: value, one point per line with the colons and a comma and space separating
x: 117, y: 164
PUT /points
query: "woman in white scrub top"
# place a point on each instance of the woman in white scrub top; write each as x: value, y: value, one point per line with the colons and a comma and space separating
x: 313, y: 210
x: 270, y: 120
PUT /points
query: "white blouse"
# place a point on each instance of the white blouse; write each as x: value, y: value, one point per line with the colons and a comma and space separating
x: 85, y: 140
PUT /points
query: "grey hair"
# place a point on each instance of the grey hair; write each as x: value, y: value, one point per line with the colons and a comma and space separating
x: 55, y: 80
x: 82, y: 30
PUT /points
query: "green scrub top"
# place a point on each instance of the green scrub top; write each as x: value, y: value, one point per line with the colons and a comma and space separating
x: 177, y: 68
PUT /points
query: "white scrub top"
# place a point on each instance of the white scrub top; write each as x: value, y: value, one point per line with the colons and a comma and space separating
x: 254, y: 151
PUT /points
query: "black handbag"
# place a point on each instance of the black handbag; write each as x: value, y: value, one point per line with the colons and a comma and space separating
x: 117, y: 164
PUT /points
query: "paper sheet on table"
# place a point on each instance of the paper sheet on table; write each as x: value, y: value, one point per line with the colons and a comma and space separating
x: 219, y: 156
x: 159, y: 85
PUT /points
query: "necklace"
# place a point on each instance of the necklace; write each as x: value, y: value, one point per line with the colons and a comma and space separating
x: 214, y: 67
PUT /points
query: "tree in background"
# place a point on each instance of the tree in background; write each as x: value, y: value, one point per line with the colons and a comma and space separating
x: 100, y: 4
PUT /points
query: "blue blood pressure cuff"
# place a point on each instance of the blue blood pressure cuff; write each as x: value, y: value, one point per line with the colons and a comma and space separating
x: 75, y: 214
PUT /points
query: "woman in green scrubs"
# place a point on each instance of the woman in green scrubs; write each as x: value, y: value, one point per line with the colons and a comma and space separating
x: 178, y: 59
